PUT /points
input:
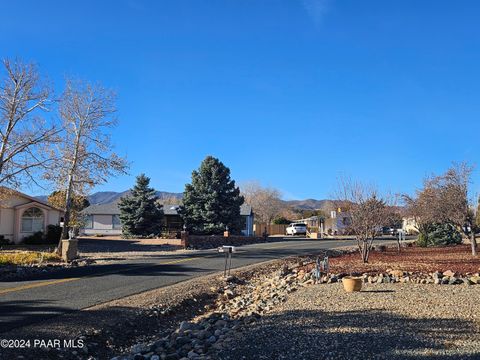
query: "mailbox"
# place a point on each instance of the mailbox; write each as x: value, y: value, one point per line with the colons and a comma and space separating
x: 226, y: 249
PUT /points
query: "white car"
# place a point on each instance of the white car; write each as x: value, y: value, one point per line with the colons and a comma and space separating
x: 296, y: 229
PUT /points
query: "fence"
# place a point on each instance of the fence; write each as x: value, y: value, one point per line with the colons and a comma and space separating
x: 270, y: 229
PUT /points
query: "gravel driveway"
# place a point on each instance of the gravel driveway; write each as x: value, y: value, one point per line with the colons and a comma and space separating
x: 394, y: 321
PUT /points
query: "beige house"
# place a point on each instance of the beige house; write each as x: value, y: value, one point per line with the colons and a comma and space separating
x: 22, y: 215
x: 410, y: 226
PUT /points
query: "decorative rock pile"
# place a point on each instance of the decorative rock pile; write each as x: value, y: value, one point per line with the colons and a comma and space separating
x: 446, y: 278
x: 239, y: 304
x: 13, y: 272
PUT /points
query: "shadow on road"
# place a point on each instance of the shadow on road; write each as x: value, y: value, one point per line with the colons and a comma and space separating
x: 134, y: 269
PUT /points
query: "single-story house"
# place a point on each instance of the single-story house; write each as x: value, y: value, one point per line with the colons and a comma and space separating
x: 409, y: 225
x: 105, y: 219
x: 338, y: 223
x: 22, y: 215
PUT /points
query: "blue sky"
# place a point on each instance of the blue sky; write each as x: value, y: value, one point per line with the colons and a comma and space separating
x: 292, y: 93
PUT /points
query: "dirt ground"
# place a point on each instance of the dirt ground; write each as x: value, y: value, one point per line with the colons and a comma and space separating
x: 456, y: 258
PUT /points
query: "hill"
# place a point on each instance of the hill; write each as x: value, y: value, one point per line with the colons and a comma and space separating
x: 106, y: 197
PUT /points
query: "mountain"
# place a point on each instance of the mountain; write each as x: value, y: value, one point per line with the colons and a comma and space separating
x: 106, y: 197
x: 312, y: 204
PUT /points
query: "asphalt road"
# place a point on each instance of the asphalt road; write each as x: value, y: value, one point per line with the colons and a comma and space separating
x: 27, y: 302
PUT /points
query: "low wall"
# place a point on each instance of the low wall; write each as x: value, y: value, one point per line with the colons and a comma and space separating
x: 214, y: 241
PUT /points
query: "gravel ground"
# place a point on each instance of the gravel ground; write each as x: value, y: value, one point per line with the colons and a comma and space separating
x: 384, y: 321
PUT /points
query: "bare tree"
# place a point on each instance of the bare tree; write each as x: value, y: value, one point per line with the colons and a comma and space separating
x: 265, y: 201
x: 170, y: 200
x: 25, y: 136
x: 85, y: 154
x: 368, y: 212
x: 445, y: 199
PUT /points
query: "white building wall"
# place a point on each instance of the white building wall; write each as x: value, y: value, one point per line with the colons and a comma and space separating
x: 102, y: 222
x: 53, y: 217
x: 102, y: 225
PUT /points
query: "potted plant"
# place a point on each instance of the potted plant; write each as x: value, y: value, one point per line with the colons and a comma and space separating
x: 352, y: 283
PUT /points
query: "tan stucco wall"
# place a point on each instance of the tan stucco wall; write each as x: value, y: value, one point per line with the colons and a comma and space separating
x: 7, y: 223
x: 11, y: 212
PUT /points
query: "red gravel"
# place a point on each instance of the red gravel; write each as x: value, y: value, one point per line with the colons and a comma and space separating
x: 456, y: 258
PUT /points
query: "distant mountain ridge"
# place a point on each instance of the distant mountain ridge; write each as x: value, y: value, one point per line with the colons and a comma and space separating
x: 107, y: 197
x: 312, y: 204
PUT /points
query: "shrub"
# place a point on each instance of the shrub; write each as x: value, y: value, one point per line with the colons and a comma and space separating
x: 54, y: 232
x: 439, y: 235
x: 4, y: 241
x: 27, y: 257
x: 34, y: 239
x: 281, y: 221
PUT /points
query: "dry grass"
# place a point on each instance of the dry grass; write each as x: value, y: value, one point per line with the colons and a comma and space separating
x: 27, y: 257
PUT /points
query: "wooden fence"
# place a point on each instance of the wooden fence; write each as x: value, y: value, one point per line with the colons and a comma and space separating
x: 270, y: 229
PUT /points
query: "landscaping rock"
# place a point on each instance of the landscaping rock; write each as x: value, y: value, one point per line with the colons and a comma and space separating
x: 449, y: 273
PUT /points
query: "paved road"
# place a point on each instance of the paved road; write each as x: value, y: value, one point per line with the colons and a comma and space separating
x: 26, y: 302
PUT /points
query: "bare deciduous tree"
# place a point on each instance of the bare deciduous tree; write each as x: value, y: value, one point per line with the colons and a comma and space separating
x: 265, y: 201
x: 368, y: 212
x: 170, y: 200
x: 25, y: 136
x: 444, y: 199
x: 86, y: 158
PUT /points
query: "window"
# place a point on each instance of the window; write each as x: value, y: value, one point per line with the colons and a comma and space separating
x: 116, y: 222
x: 89, y: 222
x: 32, y: 220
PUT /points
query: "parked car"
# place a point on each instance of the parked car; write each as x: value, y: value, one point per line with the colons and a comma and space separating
x: 296, y: 229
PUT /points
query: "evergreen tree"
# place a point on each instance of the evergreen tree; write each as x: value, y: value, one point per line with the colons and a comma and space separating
x: 212, y: 201
x: 140, y: 213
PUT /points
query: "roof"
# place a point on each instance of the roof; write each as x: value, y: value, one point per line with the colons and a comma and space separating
x: 112, y: 209
x: 102, y: 209
x: 245, y: 210
x: 31, y: 198
x: 170, y: 209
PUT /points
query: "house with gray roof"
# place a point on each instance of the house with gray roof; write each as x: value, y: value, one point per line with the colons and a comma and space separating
x: 104, y: 219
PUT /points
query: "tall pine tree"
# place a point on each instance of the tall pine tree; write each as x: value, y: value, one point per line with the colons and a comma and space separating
x: 212, y: 201
x: 140, y: 213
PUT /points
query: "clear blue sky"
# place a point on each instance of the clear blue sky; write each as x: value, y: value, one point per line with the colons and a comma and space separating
x: 289, y: 92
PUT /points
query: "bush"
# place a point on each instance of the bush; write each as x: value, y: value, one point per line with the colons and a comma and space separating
x: 27, y: 258
x: 34, y: 239
x: 439, y: 235
x: 54, y: 232
x: 281, y: 221
x: 4, y: 241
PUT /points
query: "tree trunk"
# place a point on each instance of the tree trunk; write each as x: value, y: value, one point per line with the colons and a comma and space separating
x: 473, y: 243
x: 365, y: 252
x: 68, y: 195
